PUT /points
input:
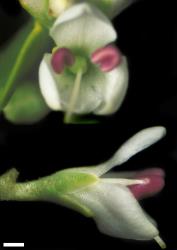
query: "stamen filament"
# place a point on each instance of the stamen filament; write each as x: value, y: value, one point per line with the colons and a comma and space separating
x: 160, y: 242
x: 73, y: 97
x: 125, y: 182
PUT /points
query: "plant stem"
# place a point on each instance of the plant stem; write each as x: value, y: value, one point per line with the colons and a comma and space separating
x: 10, y: 84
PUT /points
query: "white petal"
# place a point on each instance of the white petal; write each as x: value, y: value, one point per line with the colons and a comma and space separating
x: 47, y: 84
x: 58, y: 88
x: 90, y: 93
x: 116, y: 212
x: 134, y: 145
x: 114, y: 89
x: 84, y: 27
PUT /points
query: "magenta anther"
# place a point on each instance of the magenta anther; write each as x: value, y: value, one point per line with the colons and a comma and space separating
x: 62, y: 58
x: 107, y: 58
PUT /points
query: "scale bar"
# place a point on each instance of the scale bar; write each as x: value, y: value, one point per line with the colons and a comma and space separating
x: 13, y: 244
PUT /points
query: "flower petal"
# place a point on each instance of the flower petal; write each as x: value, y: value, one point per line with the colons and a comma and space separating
x: 57, y: 89
x: 116, y: 211
x: 47, y: 84
x: 89, y: 97
x: 137, y: 143
x: 84, y: 27
x: 134, y: 145
x: 114, y: 89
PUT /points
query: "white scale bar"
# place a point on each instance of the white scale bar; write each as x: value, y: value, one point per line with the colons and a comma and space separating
x: 13, y: 244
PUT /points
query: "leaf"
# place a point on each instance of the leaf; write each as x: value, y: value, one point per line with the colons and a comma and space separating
x: 18, y: 56
x: 26, y: 105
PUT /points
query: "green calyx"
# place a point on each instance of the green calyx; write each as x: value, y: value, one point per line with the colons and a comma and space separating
x: 57, y: 188
x: 67, y: 181
x: 80, y: 64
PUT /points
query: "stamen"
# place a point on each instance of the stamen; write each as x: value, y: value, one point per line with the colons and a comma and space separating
x: 73, y: 97
x: 122, y: 181
x: 107, y: 58
x: 160, y: 242
x: 62, y: 58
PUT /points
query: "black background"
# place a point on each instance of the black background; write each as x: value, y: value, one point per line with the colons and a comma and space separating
x: 148, y: 36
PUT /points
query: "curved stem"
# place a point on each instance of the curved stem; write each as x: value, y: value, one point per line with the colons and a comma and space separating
x: 10, y: 84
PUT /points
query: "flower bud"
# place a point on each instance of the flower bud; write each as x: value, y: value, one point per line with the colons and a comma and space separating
x: 56, y: 7
x: 46, y: 10
x: 38, y: 9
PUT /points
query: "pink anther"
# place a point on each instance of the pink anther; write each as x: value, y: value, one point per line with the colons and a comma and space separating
x: 107, y: 58
x: 62, y: 58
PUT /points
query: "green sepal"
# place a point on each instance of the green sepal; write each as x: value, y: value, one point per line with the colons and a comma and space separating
x: 58, y: 188
x: 27, y: 105
x: 66, y: 181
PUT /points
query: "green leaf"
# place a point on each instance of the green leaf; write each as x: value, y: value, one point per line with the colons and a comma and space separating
x: 26, y: 105
x: 18, y: 57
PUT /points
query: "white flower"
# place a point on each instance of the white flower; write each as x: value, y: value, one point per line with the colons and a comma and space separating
x: 109, y: 198
x: 112, y: 199
x: 82, y: 84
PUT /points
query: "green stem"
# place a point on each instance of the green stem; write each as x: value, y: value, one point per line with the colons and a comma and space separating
x: 10, y: 84
x: 73, y: 98
x: 11, y: 190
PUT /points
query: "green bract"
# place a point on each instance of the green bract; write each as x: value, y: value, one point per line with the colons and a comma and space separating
x: 83, y: 29
x: 94, y: 193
